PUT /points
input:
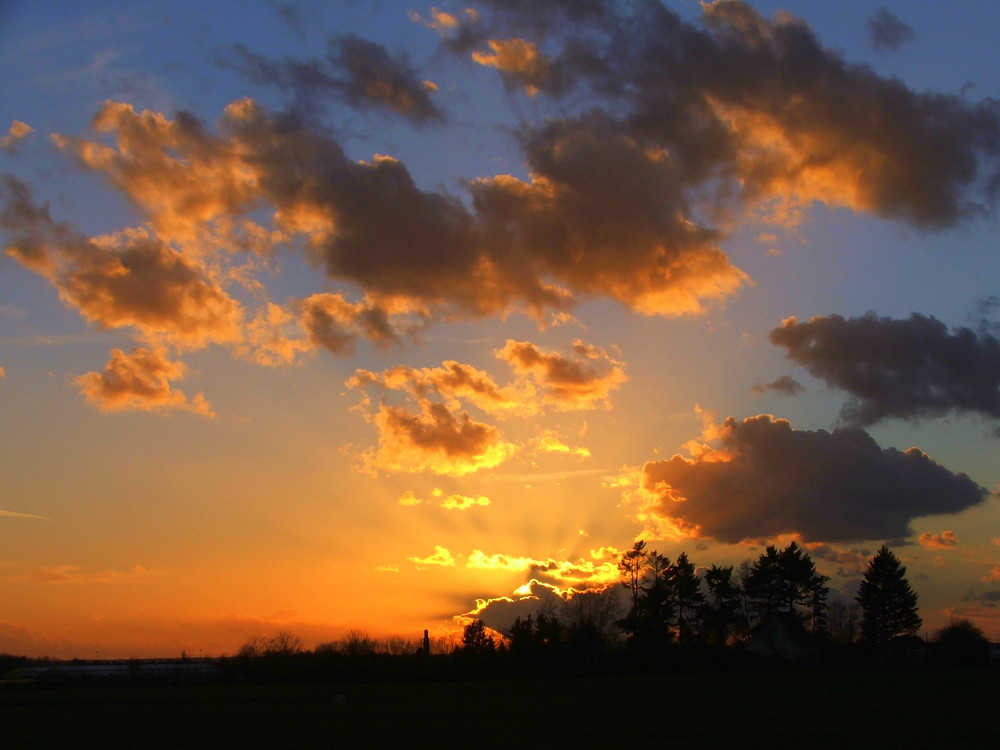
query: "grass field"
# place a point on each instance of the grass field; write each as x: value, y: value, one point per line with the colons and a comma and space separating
x: 733, y: 710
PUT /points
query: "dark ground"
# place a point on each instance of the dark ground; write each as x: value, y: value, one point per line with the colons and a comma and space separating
x: 806, y: 709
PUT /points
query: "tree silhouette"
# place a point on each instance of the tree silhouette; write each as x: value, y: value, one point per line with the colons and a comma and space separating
x: 475, y: 639
x: 787, y: 581
x: 721, y: 613
x: 684, y: 587
x: 888, y: 604
x: 962, y: 644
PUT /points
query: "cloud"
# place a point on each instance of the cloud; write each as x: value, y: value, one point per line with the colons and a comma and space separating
x: 434, y: 439
x: 140, y: 381
x: 597, y: 571
x: 993, y: 575
x: 450, y: 502
x: 355, y: 70
x: 581, y: 382
x: 550, y: 443
x: 945, y: 540
x: 989, y: 599
x: 452, y: 382
x: 574, y: 230
x: 907, y: 369
x: 764, y: 479
x: 15, y: 133
x: 786, y: 385
x: 128, y: 278
x: 440, y: 557
x: 499, y: 613
x: 519, y: 58
x: 15, y: 514
x: 886, y: 31
x: 73, y: 574
x: 433, y: 431
x: 464, y: 502
x: 605, y: 214
x: 757, y: 107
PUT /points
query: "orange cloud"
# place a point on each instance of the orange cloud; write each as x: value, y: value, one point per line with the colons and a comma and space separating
x: 72, y: 574
x: 140, y: 381
x: 615, y: 228
x: 993, y: 575
x: 463, y: 502
x: 440, y: 557
x: 559, y: 571
x: 129, y: 278
x: 451, y: 502
x: 549, y: 442
x: 519, y: 58
x: 434, y: 439
x: 581, y: 382
x: 944, y: 540
x: 15, y: 133
x: 452, y: 381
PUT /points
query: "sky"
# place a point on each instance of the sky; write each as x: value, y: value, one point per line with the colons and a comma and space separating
x: 331, y: 316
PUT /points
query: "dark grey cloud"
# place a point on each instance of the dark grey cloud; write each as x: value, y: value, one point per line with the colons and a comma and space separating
x: 905, y: 369
x: 786, y: 385
x: 759, y: 107
x: 361, y: 72
x: 989, y: 599
x: 290, y: 14
x: 835, y: 486
x: 986, y: 315
x: 886, y: 31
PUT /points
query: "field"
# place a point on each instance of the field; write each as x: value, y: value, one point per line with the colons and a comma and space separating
x: 746, y: 710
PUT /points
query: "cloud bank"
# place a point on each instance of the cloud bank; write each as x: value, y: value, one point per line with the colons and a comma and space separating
x: 904, y: 369
x: 764, y: 478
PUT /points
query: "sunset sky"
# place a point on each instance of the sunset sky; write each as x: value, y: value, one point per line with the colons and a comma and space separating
x: 318, y: 316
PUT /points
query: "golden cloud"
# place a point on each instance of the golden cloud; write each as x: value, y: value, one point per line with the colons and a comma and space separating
x: 440, y: 557
x: 945, y: 540
x: 140, y: 381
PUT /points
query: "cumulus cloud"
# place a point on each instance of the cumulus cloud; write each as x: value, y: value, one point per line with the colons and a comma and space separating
x: 519, y: 58
x: 435, y: 439
x: 759, y: 104
x: 579, y: 382
x: 786, y: 385
x: 573, y: 230
x: 599, y: 605
x: 906, y: 369
x: 764, y: 478
x: 361, y: 72
x: 15, y: 133
x: 945, y: 540
x: 433, y: 430
x: 886, y: 31
x: 140, y: 381
x: 129, y: 278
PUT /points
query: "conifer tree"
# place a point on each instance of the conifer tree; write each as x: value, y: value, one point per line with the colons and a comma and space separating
x: 888, y: 604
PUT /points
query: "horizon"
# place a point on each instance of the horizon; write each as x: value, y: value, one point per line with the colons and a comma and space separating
x: 377, y: 316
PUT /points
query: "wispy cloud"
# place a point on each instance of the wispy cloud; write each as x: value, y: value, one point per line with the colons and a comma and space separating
x: 14, y: 514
